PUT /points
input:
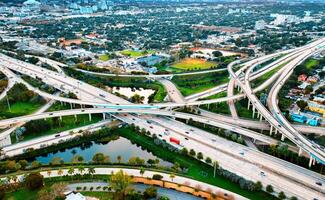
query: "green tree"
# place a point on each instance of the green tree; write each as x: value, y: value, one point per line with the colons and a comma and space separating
x: 302, y: 104
x: 100, y: 158
x: 200, y: 156
x: 150, y: 193
x: 120, y: 183
x: 282, y: 195
x: 258, y: 186
x: 217, y: 53
x: 91, y: 171
x: 136, y: 98
x: 192, y: 152
x: 142, y: 170
x: 269, y: 189
x: 35, y: 164
x: 34, y: 181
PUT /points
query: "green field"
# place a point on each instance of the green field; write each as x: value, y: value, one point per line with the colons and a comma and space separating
x: 192, y: 84
x: 189, y: 64
x: 311, y: 63
x: 104, y: 57
x: 133, y: 53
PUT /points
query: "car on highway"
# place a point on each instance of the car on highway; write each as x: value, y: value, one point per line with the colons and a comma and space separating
x: 319, y: 183
x: 57, y: 135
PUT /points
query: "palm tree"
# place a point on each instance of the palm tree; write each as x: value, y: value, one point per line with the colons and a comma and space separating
x: 60, y: 172
x: 49, y: 172
x: 81, y: 169
x: 119, y: 159
x: 142, y: 171
x: 172, y: 176
x: 71, y: 171
x: 91, y: 170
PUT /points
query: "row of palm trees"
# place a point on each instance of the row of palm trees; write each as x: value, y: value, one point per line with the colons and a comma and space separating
x: 72, y: 170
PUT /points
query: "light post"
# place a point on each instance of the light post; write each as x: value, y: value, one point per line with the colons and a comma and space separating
x: 8, y: 103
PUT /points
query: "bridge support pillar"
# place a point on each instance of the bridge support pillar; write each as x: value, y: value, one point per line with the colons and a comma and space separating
x: 249, y: 104
x: 300, y: 152
x: 271, y: 130
x: 276, y: 131
x: 71, y: 106
x: 89, y: 116
x: 310, y: 161
x: 75, y: 116
x: 208, y: 106
x: 282, y: 137
x: 253, y: 111
x: 186, y: 121
x: 104, y: 116
x: 261, y: 117
x: 60, y: 118
x: 61, y: 103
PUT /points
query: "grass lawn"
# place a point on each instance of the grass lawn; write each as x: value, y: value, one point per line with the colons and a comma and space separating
x: 311, y: 63
x: 104, y: 57
x: 266, y: 76
x: 22, y: 108
x: 19, y: 109
x: 196, y: 169
x: 193, y: 64
x: 99, y: 195
x: 22, y: 194
x: 133, y: 53
x: 192, y: 84
x: 241, y: 107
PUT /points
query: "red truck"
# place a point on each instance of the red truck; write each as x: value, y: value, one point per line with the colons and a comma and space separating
x: 174, y: 140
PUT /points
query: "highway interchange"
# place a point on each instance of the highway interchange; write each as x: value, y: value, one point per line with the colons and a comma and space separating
x: 284, y: 176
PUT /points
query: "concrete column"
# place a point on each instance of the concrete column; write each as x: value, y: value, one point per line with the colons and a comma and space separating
x: 310, y: 161
x: 276, y: 131
x: 60, y: 118
x: 71, y: 106
x: 75, y: 116
x: 104, y: 116
x: 89, y: 116
x: 249, y: 104
x: 186, y: 121
x: 271, y: 130
x: 300, y: 152
x: 282, y: 137
x: 253, y: 111
x: 61, y: 103
x: 208, y: 106
x: 314, y: 161
x: 261, y: 117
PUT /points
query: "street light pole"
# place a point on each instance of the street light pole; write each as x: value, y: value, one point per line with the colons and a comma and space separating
x: 8, y: 103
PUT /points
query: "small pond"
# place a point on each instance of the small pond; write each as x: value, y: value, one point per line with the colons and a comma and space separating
x: 120, y: 147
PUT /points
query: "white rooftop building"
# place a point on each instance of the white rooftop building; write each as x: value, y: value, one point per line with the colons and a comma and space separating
x: 260, y: 25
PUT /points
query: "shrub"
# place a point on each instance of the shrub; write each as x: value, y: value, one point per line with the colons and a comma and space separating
x: 269, y: 189
x: 157, y: 177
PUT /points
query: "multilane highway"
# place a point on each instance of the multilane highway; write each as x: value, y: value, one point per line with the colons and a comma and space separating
x: 293, y: 180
